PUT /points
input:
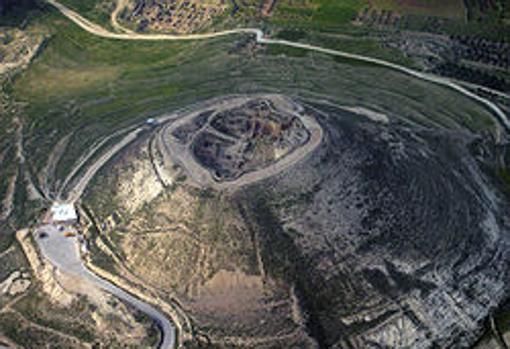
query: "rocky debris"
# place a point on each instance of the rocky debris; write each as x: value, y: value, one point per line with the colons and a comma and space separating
x: 428, y: 50
x: 246, y: 138
x: 372, y: 115
x: 17, y: 49
x: 16, y: 283
x: 125, y: 323
x: 142, y: 186
x: 475, y: 60
x: 6, y: 206
x: 399, y: 227
x: 243, y: 139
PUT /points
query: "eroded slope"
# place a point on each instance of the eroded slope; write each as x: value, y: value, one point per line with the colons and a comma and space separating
x: 383, y: 234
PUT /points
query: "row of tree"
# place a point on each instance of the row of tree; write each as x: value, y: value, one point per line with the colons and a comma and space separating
x: 480, y: 77
x: 481, y: 50
x: 481, y: 10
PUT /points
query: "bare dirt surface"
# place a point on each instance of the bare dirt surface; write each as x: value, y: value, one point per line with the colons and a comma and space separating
x: 18, y: 49
x: 227, y: 290
x: 215, y: 282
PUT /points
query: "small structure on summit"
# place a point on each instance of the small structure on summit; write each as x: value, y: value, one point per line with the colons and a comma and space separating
x: 63, y: 213
x: 151, y: 122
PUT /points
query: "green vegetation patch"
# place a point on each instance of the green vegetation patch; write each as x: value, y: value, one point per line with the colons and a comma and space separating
x: 317, y: 14
x: 330, y: 13
x: 98, y: 11
x: 83, y: 80
x: 14, y: 327
x: 72, y: 320
x: 435, y: 8
x: 286, y: 51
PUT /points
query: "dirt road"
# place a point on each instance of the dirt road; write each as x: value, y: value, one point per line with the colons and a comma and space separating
x: 85, y: 158
x: 100, y: 31
x: 82, y: 183
x: 121, y: 5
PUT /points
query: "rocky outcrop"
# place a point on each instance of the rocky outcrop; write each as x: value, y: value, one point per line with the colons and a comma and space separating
x: 16, y: 283
x: 398, y: 233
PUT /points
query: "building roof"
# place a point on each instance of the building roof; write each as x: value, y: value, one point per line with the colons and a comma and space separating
x: 63, y: 212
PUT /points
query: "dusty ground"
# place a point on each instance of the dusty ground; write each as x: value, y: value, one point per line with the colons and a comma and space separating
x: 192, y: 245
x: 17, y: 48
x: 232, y: 148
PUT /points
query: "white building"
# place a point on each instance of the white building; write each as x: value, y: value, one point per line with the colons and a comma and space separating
x: 63, y: 212
x: 151, y: 121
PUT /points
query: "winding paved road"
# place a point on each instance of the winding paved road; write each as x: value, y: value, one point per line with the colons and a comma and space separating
x: 64, y: 254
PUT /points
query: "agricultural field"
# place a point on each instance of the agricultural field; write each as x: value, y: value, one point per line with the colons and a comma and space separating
x: 437, y: 8
x: 81, y: 80
x: 316, y: 14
